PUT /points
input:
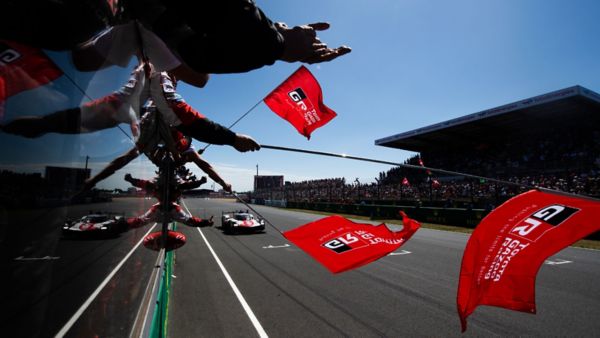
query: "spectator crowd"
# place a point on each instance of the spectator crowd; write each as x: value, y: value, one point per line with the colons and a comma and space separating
x: 569, y: 162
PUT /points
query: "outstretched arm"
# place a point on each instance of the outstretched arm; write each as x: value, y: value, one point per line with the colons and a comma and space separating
x: 142, y: 184
x: 66, y: 121
x: 111, y: 168
x: 202, y: 129
x: 302, y: 44
x: 208, y: 169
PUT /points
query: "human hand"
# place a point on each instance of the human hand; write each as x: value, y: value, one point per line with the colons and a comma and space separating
x: 128, y: 177
x: 245, y: 143
x: 203, y: 180
x: 227, y: 187
x: 302, y: 44
x: 135, y: 128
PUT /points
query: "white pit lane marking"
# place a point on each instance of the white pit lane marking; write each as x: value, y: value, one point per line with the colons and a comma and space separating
x: 96, y: 292
x: 557, y: 261
x: 401, y: 252
x: 259, y: 329
x: 45, y: 258
x: 270, y: 246
x: 257, y: 326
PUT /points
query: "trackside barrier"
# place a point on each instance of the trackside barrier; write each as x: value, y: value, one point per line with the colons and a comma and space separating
x: 152, y: 317
x: 160, y: 318
x: 447, y: 216
x: 144, y: 320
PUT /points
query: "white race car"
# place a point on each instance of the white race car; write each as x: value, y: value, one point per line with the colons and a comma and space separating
x: 96, y: 224
x: 240, y: 221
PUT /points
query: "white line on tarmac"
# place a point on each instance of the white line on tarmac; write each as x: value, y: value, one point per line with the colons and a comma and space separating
x: 45, y: 258
x: 270, y: 246
x: 401, y: 252
x: 259, y: 329
x: 557, y: 261
x: 89, y: 301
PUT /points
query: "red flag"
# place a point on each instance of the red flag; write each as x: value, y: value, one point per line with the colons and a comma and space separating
x: 506, y: 250
x: 405, y: 182
x: 299, y: 100
x: 435, y: 183
x: 23, y: 67
x: 340, y: 244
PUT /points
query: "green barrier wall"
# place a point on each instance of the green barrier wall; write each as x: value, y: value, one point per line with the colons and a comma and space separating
x: 447, y: 216
x: 159, y: 321
x: 161, y: 312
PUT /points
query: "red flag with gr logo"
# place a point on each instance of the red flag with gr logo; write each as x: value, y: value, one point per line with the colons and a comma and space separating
x: 506, y: 250
x: 340, y: 244
x: 299, y: 100
x: 23, y: 67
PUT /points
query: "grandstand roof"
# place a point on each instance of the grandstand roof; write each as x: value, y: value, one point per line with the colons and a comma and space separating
x: 570, y: 107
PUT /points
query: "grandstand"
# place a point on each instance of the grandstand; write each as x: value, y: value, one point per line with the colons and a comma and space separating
x: 551, y: 140
x: 573, y: 107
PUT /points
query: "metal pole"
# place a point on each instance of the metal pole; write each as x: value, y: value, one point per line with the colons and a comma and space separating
x: 443, y: 171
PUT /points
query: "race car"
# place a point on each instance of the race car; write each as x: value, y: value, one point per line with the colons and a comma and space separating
x: 239, y: 221
x: 96, y: 223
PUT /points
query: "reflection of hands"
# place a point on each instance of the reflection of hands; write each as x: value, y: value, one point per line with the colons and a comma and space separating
x: 135, y: 129
x: 302, y: 44
x: 245, y: 143
x: 87, y: 185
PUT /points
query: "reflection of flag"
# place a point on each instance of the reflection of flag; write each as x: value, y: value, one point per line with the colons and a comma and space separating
x: 405, y: 182
x: 299, y: 100
x: 507, y: 248
x: 340, y: 244
x: 2, y: 98
x: 23, y: 68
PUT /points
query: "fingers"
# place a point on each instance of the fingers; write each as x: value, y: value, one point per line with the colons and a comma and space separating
x: 302, y: 44
x: 317, y: 46
x: 325, y: 55
x: 245, y: 143
x: 319, y: 26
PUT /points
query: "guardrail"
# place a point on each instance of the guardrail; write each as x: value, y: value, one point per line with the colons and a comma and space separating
x: 461, y: 217
x: 151, y: 319
x: 448, y: 216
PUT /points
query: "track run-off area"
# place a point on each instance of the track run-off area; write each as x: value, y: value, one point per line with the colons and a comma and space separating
x: 262, y: 285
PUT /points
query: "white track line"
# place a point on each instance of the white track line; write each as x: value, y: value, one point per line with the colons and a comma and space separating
x: 89, y: 301
x: 259, y: 329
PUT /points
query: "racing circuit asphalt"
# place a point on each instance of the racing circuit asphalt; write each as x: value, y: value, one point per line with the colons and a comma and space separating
x: 411, y: 293
x: 279, y: 290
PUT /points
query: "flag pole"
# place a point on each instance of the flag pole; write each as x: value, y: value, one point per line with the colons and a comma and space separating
x: 234, y: 123
x: 251, y: 109
x: 443, y: 171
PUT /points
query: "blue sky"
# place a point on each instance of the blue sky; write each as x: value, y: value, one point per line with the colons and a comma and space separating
x: 414, y: 63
